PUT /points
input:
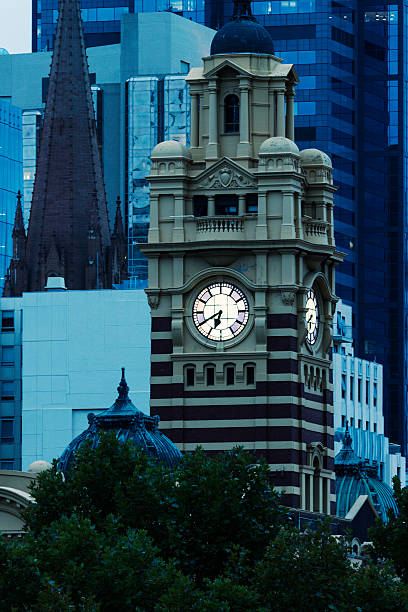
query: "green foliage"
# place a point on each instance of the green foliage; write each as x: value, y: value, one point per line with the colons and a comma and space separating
x: 391, y: 539
x: 123, y: 532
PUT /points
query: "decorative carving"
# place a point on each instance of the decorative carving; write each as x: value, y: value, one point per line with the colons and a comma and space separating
x: 224, y: 177
x: 288, y: 297
x: 153, y: 300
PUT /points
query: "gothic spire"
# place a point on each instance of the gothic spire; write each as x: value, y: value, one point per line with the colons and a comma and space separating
x: 69, y: 193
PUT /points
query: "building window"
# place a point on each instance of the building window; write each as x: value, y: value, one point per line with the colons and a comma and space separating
x: 226, y: 204
x: 251, y: 203
x: 7, y: 355
x: 343, y: 420
x: 375, y: 394
x: 7, y: 390
x: 343, y: 386
x: 367, y: 426
x: 210, y: 376
x: 367, y: 391
x: 7, y: 320
x: 190, y: 376
x: 359, y: 390
x: 6, y: 432
x: 200, y: 206
x: 230, y: 375
x: 375, y: 427
x: 359, y: 423
x: 6, y: 465
x: 250, y: 374
x: 351, y: 421
x: 352, y: 388
x: 231, y: 114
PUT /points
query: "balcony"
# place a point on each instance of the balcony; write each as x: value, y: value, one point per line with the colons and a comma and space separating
x: 315, y: 230
x: 216, y: 228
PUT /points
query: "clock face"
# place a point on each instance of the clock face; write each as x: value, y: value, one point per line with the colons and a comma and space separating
x: 312, y: 316
x: 220, y: 312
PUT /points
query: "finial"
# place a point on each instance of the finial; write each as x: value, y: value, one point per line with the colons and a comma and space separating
x: 242, y: 10
x: 123, y: 389
x: 347, y: 440
x: 118, y: 201
x: 19, y: 196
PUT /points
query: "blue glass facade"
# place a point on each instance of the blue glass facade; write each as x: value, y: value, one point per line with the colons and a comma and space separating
x: 101, y: 22
x: 11, y: 179
x: 157, y: 109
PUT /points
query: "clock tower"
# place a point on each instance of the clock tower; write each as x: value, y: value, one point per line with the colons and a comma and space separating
x: 241, y: 272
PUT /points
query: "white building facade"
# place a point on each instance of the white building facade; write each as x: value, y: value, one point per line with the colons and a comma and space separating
x: 358, y: 400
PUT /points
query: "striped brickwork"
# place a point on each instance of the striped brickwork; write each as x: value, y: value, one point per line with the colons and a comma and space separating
x: 278, y: 418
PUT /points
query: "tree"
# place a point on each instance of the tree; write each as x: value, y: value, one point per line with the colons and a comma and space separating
x: 124, y: 532
x: 391, y: 539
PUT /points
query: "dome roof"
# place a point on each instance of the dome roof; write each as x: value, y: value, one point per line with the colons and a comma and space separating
x: 39, y: 466
x: 243, y: 34
x: 314, y: 157
x: 354, y: 478
x: 130, y: 423
x: 170, y: 148
x: 278, y: 144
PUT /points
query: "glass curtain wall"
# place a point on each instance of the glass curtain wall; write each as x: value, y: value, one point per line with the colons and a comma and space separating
x: 157, y: 110
x: 101, y: 20
x: 11, y: 179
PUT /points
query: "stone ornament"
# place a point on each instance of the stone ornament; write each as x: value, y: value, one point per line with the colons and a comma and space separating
x: 225, y: 177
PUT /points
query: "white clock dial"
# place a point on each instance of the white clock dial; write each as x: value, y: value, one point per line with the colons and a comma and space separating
x: 312, y: 316
x: 220, y: 311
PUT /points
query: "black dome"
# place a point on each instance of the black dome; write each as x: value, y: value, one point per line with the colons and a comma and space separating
x: 129, y: 423
x: 242, y: 35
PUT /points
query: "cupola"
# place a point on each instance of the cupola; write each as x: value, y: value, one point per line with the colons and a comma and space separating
x: 129, y: 423
x: 243, y: 34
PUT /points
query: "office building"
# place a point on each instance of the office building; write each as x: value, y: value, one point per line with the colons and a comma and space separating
x: 11, y: 179
x: 358, y: 402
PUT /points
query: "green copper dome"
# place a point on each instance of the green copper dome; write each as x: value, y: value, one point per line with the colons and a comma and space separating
x: 129, y: 423
x: 355, y: 477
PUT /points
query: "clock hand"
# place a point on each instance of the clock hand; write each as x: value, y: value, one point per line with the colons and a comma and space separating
x: 216, y: 314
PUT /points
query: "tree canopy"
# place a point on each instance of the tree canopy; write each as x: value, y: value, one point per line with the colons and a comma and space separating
x: 123, y: 532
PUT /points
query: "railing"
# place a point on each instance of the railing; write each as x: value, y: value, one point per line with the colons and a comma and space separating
x: 220, y: 224
x: 314, y: 227
x: 342, y: 333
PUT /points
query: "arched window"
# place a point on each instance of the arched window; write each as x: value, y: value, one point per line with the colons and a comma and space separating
x: 231, y: 114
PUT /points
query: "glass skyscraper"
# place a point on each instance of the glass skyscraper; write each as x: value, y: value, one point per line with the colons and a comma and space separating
x: 351, y: 102
x: 11, y: 179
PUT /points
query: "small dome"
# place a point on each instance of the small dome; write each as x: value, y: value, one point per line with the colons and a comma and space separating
x: 354, y: 478
x: 3, y: 51
x: 129, y: 423
x: 39, y: 466
x: 278, y: 144
x: 242, y: 35
x: 171, y: 149
x: 314, y: 157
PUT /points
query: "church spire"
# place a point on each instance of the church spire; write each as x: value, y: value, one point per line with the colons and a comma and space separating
x: 69, y: 193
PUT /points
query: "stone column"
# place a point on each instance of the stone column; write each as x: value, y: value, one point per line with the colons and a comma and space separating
x: 194, y: 120
x: 303, y: 490
x: 272, y: 113
x: 288, y: 221
x: 154, y: 234
x: 290, y: 114
x: 320, y: 494
x: 213, y: 147
x: 280, y: 113
x: 211, y: 206
x: 244, y: 145
x: 261, y: 232
x: 178, y: 229
x: 241, y: 206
